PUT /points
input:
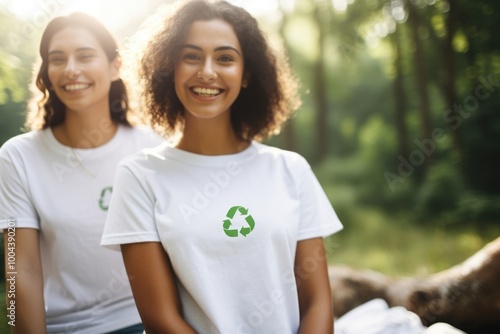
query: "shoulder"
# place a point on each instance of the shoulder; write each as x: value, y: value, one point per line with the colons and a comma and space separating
x: 22, y: 143
x: 277, y: 155
x: 147, y: 158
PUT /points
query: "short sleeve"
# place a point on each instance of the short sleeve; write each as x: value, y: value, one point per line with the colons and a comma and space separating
x: 130, y: 217
x: 317, y: 216
x: 15, y: 201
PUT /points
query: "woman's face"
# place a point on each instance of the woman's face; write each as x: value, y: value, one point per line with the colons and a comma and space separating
x: 79, y: 71
x: 209, y: 72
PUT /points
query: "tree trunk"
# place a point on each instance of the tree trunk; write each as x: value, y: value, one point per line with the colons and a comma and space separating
x: 400, y: 98
x: 449, y: 67
x: 319, y: 89
x: 421, y: 81
x: 288, y: 130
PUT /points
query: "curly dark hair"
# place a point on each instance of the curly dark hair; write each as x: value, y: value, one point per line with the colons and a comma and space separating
x: 50, y: 110
x: 259, y: 110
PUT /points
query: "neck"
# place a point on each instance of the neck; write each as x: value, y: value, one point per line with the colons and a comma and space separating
x: 87, y: 131
x: 210, y: 137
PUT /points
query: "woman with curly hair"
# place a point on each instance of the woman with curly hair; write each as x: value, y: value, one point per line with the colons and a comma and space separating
x: 219, y: 232
x: 55, y: 185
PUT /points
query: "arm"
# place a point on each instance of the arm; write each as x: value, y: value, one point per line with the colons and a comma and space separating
x: 313, y: 286
x: 153, y: 284
x: 27, y: 293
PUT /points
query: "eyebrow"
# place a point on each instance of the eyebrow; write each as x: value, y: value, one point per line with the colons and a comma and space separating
x: 77, y: 50
x: 220, y: 48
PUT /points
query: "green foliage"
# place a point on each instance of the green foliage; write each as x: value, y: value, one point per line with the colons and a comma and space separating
x: 433, y: 217
x: 477, y: 207
x: 439, y: 194
x: 12, y: 115
x: 482, y: 149
x: 453, y: 186
x: 391, y: 244
x: 17, y: 54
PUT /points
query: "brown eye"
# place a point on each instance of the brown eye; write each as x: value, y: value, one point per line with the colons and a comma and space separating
x: 226, y: 58
x: 191, y: 57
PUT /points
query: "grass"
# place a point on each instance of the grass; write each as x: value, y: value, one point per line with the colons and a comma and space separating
x: 378, y: 241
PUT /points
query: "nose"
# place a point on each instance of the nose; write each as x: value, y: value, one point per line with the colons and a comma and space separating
x: 72, y: 70
x: 207, y: 72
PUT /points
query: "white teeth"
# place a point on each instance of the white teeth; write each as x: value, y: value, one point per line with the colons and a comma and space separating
x: 73, y: 87
x: 206, y: 91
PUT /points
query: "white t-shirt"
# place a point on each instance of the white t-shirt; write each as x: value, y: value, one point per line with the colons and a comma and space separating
x: 65, y: 194
x: 230, y: 225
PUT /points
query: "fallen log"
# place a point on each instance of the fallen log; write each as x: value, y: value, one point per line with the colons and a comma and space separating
x: 466, y: 296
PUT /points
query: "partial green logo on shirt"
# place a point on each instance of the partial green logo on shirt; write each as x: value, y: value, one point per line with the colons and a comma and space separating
x: 244, y: 230
x: 105, y: 198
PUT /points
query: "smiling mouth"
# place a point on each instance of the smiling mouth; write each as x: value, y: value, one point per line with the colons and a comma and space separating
x: 74, y: 87
x: 206, y: 92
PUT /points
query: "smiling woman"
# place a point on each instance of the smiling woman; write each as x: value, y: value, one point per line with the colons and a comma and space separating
x: 56, y: 180
x: 212, y: 69
x: 74, y: 51
x: 211, y: 251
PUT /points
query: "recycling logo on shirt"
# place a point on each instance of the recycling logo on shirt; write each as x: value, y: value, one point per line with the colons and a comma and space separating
x: 244, y: 230
x: 105, y: 198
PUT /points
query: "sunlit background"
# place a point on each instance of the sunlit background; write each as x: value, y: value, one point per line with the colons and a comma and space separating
x: 118, y: 15
x: 378, y: 77
x: 122, y: 17
x: 360, y: 64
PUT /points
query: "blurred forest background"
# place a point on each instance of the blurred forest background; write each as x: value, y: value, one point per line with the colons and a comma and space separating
x: 400, y: 118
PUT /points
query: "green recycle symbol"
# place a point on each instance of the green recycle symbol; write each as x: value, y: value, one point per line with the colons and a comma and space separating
x: 105, y: 198
x: 245, y: 230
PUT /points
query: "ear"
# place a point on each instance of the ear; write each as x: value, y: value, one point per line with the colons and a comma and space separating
x: 116, y: 64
